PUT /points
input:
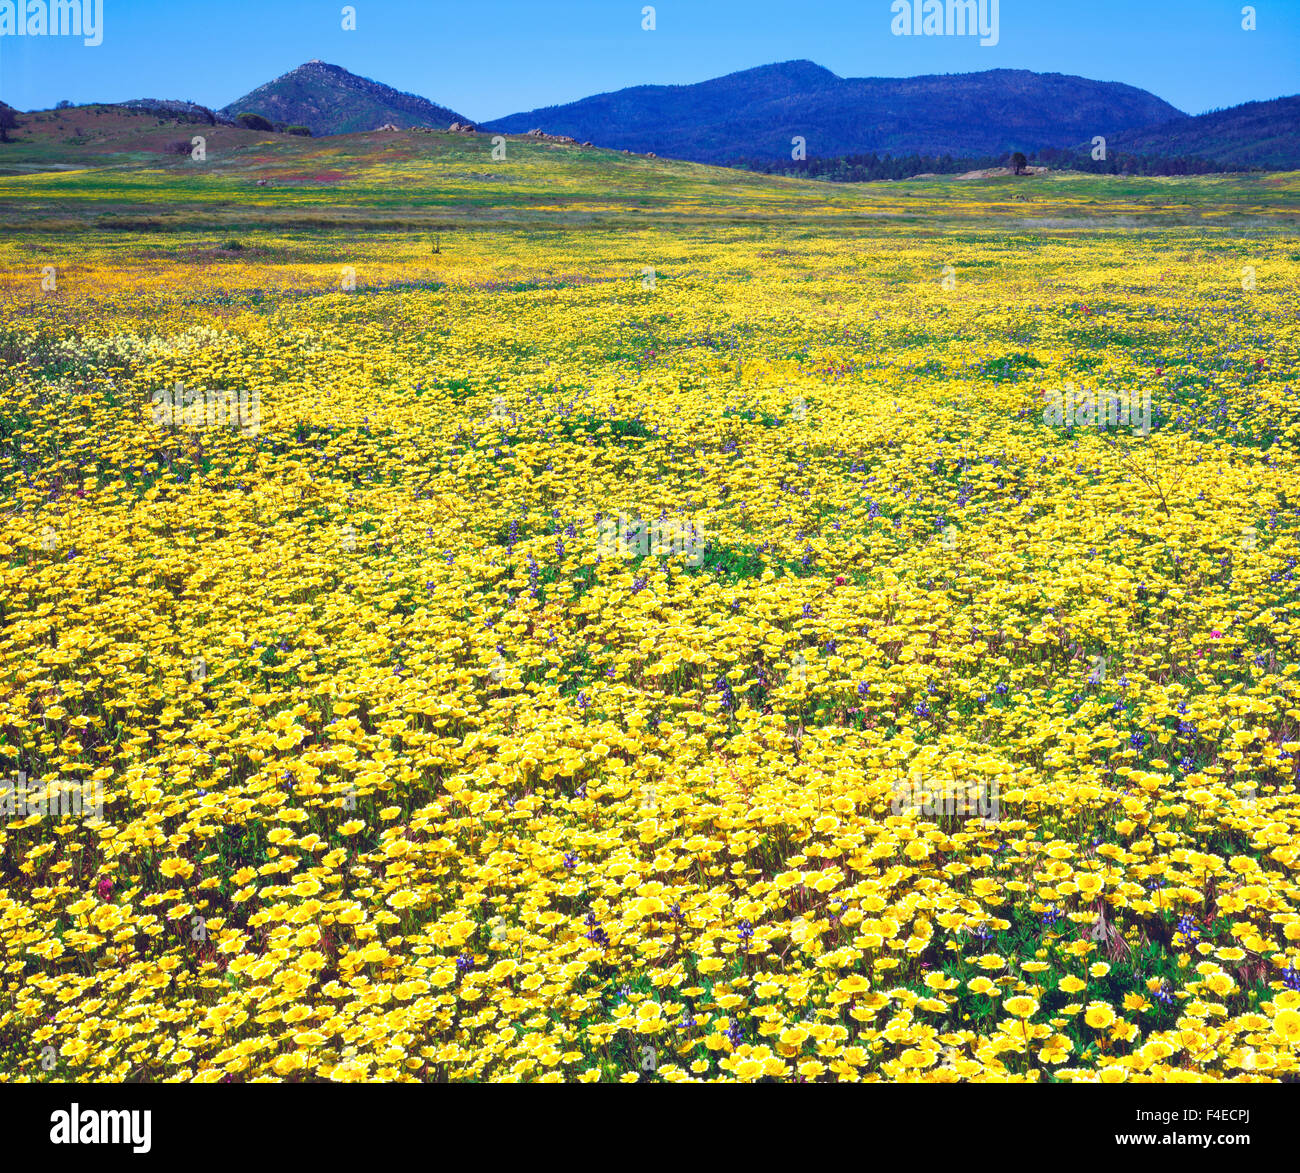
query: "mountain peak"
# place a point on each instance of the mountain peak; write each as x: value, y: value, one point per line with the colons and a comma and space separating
x: 330, y: 100
x: 800, y: 70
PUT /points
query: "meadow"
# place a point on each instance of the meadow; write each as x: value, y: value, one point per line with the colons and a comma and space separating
x: 409, y: 774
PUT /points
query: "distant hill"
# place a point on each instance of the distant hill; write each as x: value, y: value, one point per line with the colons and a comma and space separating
x: 749, y: 118
x: 87, y: 136
x: 330, y: 100
x: 756, y: 113
x: 1257, y: 134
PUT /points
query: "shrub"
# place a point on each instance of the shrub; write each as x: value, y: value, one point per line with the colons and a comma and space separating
x: 251, y: 121
x: 303, y: 131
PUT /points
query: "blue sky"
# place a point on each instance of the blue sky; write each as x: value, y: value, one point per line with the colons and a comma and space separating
x: 487, y: 58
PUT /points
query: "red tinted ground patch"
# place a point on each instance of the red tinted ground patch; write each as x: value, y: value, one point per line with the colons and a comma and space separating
x: 303, y: 177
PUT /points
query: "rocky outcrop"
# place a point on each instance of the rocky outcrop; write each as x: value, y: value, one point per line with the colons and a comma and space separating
x: 552, y: 138
x: 178, y: 111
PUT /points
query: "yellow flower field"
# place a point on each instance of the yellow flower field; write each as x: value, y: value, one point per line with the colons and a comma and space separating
x: 422, y: 760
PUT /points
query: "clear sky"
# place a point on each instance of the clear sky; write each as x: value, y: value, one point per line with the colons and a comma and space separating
x: 487, y: 58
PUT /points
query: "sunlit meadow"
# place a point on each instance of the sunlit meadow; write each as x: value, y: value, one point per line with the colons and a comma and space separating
x: 409, y: 774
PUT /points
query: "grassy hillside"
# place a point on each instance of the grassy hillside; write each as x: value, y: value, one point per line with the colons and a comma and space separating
x: 114, y: 177
x: 108, y: 135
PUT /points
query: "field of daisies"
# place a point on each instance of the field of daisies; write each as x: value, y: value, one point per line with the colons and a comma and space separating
x: 693, y: 652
